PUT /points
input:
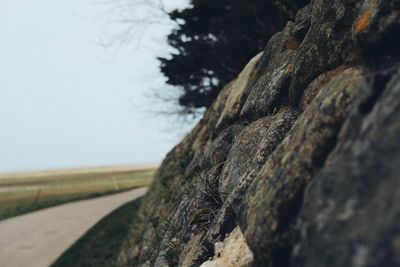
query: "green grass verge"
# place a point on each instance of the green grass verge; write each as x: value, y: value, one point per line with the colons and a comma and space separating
x: 100, y: 246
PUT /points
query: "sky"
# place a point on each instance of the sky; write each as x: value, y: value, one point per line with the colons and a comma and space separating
x: 74, y: 92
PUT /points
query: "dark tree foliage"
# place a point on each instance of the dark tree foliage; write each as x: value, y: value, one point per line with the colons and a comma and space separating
x: 215, y: 39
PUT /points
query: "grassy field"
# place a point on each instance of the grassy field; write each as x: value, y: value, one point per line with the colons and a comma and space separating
x: 101, y: 245
x: 25, y: 192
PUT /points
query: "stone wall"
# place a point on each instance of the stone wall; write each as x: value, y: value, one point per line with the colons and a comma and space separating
x: 297, y: 162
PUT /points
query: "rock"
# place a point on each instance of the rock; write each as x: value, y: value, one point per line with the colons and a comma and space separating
x: 272, y: 78
x: 350, y: 208
x: 232, y: 252
x: 258, y: 139
x: 377, y: 31
x: 238, y: 92
x: 278, y: 188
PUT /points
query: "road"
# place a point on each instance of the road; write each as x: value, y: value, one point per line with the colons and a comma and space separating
x: 37, y: 239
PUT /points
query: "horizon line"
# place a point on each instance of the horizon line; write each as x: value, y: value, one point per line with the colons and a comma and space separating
x: 83, y: 169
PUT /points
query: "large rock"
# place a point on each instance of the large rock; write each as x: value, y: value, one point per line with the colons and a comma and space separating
x: 351, y: 207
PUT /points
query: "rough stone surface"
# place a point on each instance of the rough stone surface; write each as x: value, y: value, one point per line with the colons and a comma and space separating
x: 351, y: 207
x: 296, y: 163
x: 279, y: 186
x: 232, y: 252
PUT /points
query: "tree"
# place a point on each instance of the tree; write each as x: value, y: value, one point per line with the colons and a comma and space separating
x: 215, y: 39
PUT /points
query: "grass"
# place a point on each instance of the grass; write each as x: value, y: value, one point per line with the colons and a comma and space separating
x: 22, y: 193
x: 101, y: 245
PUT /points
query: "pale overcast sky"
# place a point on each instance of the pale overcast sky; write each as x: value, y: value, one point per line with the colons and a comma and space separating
x: 66, y: 101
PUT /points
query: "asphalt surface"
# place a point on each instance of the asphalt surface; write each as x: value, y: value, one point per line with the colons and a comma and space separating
x: 37, y: 239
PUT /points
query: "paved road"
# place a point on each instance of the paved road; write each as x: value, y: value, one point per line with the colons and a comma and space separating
x: 37, y: 239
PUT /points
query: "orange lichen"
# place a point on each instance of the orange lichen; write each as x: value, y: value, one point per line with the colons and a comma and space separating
x: 364, y: 21
x: 289, y: 68
x: 293, y: 44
